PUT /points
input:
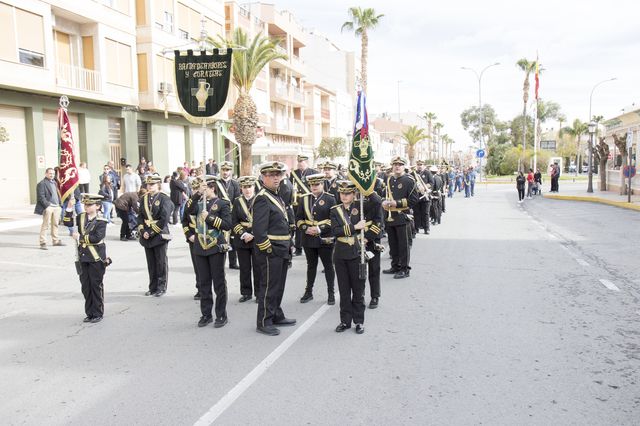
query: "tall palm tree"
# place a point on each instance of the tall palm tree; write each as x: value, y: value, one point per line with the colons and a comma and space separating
x: 436, y: 135
x: 528, y: 67
x: 362, y: 20
x: 413, y: 135
x: 247, y: 65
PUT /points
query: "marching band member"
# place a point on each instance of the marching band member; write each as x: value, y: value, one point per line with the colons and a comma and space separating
x: 243, y: 241
x: 298, y: 178
x: 229, y: 190
x: 189, y: 224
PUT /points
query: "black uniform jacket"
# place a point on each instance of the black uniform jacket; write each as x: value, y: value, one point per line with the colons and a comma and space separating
x: 242, y: 221
x: 272, y: 223
x: 402, y: 190
x: 188, y: 217
x: 228, y: 190
x: 299, y: 182
x: 209, y: 238
x: 315, y: 212
x: 373, y: 217
x: 91, y: 247
x: 331, y: 186
x: 342, y: 227
x: 154, y: 218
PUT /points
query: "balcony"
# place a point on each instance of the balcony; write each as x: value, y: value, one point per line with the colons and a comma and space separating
x: 297, y: 95
x: 298, y: 126
x: 78, y: 78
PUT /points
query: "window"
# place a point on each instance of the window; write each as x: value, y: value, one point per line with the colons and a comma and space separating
x: 31, y: 58
x: 118, y: 63
x: 168, y: 22
x: 184, y: 35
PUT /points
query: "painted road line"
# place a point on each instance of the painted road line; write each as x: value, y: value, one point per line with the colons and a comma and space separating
x: 581, y: 262
x: 31, y: 265
x: 226, y: 401
x: 11, y: 314
x: 18, y: 224
x: 608, y: 284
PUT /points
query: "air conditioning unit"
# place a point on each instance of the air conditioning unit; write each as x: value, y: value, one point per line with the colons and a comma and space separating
x: 165, y: 86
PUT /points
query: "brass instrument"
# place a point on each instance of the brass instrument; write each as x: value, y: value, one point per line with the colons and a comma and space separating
x: 389, y: 198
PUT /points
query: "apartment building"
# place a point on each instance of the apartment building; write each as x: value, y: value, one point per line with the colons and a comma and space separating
x: 109, y: 58
x: 628, y: 122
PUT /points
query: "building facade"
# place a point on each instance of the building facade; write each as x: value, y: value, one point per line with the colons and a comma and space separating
x: 626, y: 123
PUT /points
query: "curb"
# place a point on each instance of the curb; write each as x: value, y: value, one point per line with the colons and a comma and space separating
x: 621, y: 204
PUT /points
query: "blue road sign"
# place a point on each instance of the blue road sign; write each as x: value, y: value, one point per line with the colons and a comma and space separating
x: 626, y: 171
x: 480, y: 153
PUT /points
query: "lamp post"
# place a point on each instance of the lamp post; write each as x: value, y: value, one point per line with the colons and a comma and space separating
x: 591, y: 140
x: 479, y: 77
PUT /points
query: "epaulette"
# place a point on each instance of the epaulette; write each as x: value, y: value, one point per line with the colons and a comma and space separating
x: 336, y: 206
x: 305, y: 194
x: 102, y: 219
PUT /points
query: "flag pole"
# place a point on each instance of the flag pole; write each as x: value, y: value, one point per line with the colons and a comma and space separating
x: 363, y: 263
x: 535, y: 121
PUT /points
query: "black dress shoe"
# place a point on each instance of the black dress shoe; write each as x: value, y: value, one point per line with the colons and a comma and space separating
x: 331, y: 300
x: 220, y: 322
x: 359, y: 328
x: 123, y: 238
x: 374, y: 303
x: 150, y: 293
x: 234, y: 266
x: 87, y: 319
x: 204, y: 320
x: 390, y: 271
x: 197, y: 296
x: 401, y: 274
x: 285, y: 322
x: 298, y: 252
x: 307, y: 296
x: 426, y: 231
x: 95, y: 319
x: 160, y: 293
x: 342, y: 327
x: 244, y: 298
x: 268, y: 330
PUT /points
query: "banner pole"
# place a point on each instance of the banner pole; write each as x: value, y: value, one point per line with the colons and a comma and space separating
x: 203, y: 168
x: 363, y: 263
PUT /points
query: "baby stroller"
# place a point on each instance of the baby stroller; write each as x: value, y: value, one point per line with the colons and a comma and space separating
x: 536, y: 189
x: 132, y: 219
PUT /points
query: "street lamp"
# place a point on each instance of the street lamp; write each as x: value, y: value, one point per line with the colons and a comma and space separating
x: 592, y: 131
x: 479, y: 77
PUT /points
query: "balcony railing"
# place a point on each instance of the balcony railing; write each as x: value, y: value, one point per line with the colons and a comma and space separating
x: 298, y: 95
x: 279, y: 87
x: 281, y: 49
x: 298, y: 126
x: 78, y: 78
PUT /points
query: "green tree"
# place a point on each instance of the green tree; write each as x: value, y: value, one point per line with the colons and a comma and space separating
x: 519, y: 125
x: 547, y: 110
x: 332, y: 148
x: 413, y: 135
x: 247, y: 64
x: 469, y: 118
x: 362, y: 21
x: 576, y: 131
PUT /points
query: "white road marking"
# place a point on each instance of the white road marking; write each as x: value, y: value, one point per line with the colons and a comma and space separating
x: 17, y: 224
x: 608, y: 284
x: 11, y: 314
x: 225, y: 402
x: 31, y: 265
x: 581, y: 262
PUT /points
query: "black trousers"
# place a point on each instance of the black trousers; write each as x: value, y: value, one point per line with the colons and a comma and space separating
x: 175, y: 214
x: 373, y: 270
x: 193, y: 262
x: 273, y: 273
x: 233, y: 257
x: 324, y: 253
x: 520, y: 193
x: 297, y: 239
x: 399, y: 236
x: 84, y: 187
x: 92, y: 288
x: 436, y: 211
x: 158, y: 267
x: 443, y: 204
x: 124, y: 228
x: 211, y: 270
x: 247, y: 265
x: 351, y: 289
x: 419, y: 215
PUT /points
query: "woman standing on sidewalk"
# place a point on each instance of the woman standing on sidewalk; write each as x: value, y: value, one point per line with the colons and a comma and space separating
x: 520, y: 186
x: 107, y: 191
x: 529, y: 183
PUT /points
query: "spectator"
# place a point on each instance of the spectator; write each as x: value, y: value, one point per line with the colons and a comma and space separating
x: 555, y: 176
x: 70, y: 208
x: 131, y: 182
x: 212, y: 168
x: 48, y: 205
x: 84, y: 177
x: 108, y: 192
x: 529, y: 183
x: 452, y: 177
x: 127, y: 205
x: 142, y: 164
x: 185, y: 167
x: 166, y: 185
x: 466, y: 179
x: 178, y: 195
x: 143, y: 172
x: 115, y: 179
x: 472, y: 179
x: 152, y: 170
x: 537, y: 177
x: 520, y: 186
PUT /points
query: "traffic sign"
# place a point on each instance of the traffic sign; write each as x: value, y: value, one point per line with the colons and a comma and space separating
x: 629, y: 169
x: 480, y: 153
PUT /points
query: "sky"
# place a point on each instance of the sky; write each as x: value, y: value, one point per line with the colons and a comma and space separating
x: 424, y: 44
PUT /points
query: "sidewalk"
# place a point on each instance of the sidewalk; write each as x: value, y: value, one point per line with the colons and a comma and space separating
x: 578, y: 192
x: 18, y: 217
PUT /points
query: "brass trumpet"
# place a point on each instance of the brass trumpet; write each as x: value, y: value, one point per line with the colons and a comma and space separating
x: 389, y: 198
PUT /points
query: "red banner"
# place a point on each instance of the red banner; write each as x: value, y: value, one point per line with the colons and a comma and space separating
x: 68, y: 172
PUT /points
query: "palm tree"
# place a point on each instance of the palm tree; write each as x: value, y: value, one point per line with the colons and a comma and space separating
x: 436, y: 133
x: 247, y: 65
x: 362, y: 20
x: 528, y: 67
x: 577, y: 130
x: 413, y: 135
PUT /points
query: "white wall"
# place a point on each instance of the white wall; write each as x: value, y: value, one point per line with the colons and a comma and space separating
x: 14, y: 179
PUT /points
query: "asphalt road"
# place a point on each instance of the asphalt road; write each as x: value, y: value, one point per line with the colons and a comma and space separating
x: 513, y: 314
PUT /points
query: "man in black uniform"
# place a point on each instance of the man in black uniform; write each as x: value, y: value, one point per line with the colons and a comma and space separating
x: 242, y: 230
x: 153, y: 220
x: 92, y: 256
x: 372, y: 233
x: 345, y: 224
x: 209, y: 247
x: 423, y: 207
x: 271, y: 226
x: 436, y: 196
x: 401, y: 196
x: 331, y: 182
x: 298, y: 178
x: 312, y: 219
x: 445, y: 184
x: 229, y: 190
x: 189, y: 225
